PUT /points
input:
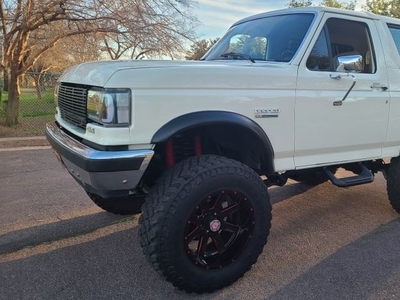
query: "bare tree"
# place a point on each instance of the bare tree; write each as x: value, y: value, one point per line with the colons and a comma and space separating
x: 26, y: 22
x: 73, y: 50
x: 155, y: 29
x: 38, y: 69
x: 66, y: 52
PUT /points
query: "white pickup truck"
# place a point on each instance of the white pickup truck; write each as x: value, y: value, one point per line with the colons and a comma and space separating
x: 294, y: 93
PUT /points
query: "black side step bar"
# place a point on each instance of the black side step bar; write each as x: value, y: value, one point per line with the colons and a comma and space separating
x: 365, y: 176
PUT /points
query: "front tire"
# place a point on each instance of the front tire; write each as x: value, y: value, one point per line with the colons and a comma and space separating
x: 393, y: 183
x: 205, y: 223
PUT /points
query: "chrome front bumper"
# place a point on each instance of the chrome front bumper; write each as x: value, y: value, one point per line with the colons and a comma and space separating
x: 105, y: 173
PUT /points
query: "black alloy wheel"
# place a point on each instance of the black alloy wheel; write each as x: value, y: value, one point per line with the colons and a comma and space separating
x: 219, y: 229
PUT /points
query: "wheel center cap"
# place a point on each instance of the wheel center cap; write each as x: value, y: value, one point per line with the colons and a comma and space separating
x: 215, y: 225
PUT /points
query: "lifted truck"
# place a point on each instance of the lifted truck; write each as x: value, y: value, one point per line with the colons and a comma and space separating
x: 295, y: 93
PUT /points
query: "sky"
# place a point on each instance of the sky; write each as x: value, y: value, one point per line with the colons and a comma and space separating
x: 216, y: 16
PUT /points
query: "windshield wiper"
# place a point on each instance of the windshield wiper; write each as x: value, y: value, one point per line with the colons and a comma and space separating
x: 236, y: 55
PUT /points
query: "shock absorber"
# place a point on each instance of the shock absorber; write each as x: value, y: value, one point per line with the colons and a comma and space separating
x: 177, y: 149
x: 169, y: 153
x: 197, y: 145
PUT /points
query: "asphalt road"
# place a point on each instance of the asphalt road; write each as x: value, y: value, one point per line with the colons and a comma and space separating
x: 325, y: 243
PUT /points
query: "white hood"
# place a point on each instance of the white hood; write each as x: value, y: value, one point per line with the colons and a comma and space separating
x: 178, y: 74
x: 98, y: 73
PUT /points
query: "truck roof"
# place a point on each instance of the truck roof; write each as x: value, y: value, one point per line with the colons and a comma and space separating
x: 318, y: 10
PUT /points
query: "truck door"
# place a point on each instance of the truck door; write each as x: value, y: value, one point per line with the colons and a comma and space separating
x: 341, y: 111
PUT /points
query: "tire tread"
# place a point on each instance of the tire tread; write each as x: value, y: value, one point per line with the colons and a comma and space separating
x: 393, y: 183
x: 162, y: 204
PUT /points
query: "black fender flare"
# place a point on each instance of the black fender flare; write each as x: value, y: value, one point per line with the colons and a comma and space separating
x: 206, y: 118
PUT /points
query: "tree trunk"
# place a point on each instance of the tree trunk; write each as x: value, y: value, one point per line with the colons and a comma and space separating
x: 38, y: 86
x: 5, y: 77
x: 13, y: 99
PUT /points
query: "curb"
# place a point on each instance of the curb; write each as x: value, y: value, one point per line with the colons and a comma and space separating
x: 25, y: 148
x: 30, y: 138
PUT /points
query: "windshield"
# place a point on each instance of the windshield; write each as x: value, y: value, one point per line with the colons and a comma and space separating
x: 274, y: 38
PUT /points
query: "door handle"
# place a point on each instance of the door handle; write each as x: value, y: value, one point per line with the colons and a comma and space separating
x: 382, y: 87
x: 335, y: 76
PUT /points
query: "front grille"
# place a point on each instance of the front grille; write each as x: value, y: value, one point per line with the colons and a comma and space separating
x: 72, y: 104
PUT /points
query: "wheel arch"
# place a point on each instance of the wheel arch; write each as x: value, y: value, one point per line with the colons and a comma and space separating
x: 212, y: 119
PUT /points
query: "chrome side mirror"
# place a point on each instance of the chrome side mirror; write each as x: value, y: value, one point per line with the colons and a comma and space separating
x: 349, y: 63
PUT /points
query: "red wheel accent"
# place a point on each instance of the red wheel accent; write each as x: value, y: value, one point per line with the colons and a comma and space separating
x: 197, y: 146
x: 169, y: 153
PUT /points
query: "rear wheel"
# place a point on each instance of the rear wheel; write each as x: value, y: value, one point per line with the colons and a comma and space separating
x: 205, y: 223
x: 119, y: 206
x: 393, y: 183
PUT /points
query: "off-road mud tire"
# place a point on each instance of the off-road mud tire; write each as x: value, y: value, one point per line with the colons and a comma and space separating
x: 185, y: 193
x: 393, y: 183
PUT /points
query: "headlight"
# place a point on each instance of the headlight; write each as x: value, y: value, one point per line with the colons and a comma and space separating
x: 110, y: 107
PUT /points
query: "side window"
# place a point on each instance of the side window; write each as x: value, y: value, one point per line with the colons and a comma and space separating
x: 341, y: 38
x: 395, y: 31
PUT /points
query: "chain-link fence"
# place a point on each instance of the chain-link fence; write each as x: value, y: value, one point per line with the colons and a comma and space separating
x: 36, y: 108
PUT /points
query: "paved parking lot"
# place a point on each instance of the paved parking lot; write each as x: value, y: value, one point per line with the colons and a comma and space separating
x: 325, y: 243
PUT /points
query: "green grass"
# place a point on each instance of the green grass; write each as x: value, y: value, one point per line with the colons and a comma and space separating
x: 34, y: 113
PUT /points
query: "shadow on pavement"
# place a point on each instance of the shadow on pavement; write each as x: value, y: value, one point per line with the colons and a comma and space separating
x: 110, y: 267
x: 279, y: 194
x: 20, y: 239
x: 365, y: 269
